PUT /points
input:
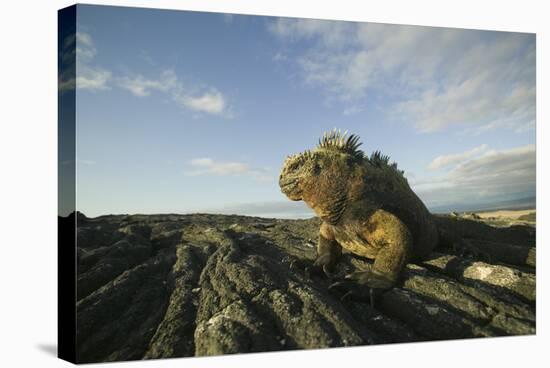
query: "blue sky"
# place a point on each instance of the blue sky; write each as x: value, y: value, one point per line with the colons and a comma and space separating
x: 184, y: 111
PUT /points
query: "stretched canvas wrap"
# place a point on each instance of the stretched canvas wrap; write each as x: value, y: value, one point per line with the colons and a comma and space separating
x: 237, y: 183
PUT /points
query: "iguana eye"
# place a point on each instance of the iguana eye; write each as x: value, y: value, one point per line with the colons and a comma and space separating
x: 293, y: 166
x: 316, y: 169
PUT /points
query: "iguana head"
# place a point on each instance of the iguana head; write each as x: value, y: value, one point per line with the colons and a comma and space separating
x: 298, y: 170
x: 320, y: 176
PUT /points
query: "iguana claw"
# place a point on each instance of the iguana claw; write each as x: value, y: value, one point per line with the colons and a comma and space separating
x: 310, y: 269
x: 352, y: 290
x: 361, y: 285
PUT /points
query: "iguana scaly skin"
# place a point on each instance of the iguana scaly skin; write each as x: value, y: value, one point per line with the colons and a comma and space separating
x: 366, y: 206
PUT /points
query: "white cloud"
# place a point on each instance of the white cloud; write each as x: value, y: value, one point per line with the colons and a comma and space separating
x: 280, y: 56
x: 446, y: 160
x: 212, y: 102
x: 66, y: 78
x: 491, y: 174
x: 92, y: 78
x: 88, y: 76
x: 208, y: 166
x: 193, y: 98
x: 438, y: 76
x: 85, y: 48
x: 331, y: 33
x: 69, y: 50
x: 352, y: 110
x: 141, y: 87
x: 65, y: 83
x: 497, y: 167
x: 207, y: 100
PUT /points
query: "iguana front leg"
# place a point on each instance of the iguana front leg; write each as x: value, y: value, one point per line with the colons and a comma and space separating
x: 385, y: 231
x: 328, y: 250
x: 328, y: 254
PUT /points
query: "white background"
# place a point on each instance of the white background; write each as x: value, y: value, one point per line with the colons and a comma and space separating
x: 28, y: 181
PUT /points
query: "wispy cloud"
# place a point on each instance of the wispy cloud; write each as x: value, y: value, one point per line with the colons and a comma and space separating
x: 481, y: 173
x: 140, y: 86
x: 66, y: 79
x: 438, y: 77
x: 498, y: 166
x: 454, y: 158
x: 352, y: 110
x: 88, y: 76
x: 329, y: 33
x: 199, y: 99
x: 77, y: 56
x: 93, y: 79
x: 208, y: 166
x: 211, y: 102
x: 65, y: 82
x: 85, y: 48
x: 280, y: 56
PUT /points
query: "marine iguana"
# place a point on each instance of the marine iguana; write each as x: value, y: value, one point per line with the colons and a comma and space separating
x: 366, y: 206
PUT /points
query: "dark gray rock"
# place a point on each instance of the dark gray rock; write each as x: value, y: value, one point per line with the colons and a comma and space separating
x: 163, y: 286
